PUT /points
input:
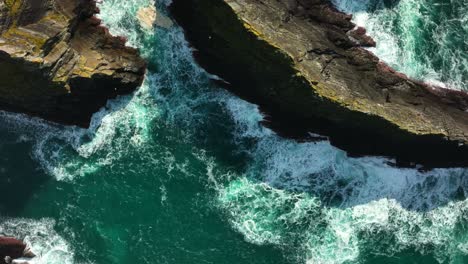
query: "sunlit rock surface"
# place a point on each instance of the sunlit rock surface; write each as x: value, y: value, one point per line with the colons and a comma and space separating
x: 59, y: 63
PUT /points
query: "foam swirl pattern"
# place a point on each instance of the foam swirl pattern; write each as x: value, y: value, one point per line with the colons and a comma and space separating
x: 425, y: 39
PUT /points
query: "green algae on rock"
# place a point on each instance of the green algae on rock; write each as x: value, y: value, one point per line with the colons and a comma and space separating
x: 57, y: 62
x: 303, y: 62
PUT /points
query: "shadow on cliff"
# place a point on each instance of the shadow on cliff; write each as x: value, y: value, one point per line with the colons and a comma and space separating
x: 259, y: 74
x: 413, y: 189
x: 214, y: 131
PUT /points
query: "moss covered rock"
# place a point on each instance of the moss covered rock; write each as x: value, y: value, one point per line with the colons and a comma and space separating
x: 59, y: 63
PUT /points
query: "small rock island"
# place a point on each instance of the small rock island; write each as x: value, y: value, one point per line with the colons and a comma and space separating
x: 57, y: 62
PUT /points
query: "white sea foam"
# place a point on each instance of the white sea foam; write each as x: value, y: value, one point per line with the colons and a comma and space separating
x: 312, y: 194
x: 335, y: 205
x: 41, y: 237
x: 68, y: 152
x: 308, y: 194
x: 406, y: 28
x: 120, y: 18
x: 247, y: 118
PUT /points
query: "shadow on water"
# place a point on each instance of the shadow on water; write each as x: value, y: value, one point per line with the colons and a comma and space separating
x: 20, y: 176
x: 169, y: 216
x: 419, y: 193
x: 344, y: 182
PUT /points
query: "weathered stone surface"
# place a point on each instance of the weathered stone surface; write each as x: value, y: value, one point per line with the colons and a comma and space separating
x: 11, y: 247
x: 147, y: 16
x: 303, y: 62
x: 57, y: 62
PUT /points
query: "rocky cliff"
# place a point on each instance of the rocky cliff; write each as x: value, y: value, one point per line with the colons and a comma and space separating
x: 304, y: 63
x: 57, y: 62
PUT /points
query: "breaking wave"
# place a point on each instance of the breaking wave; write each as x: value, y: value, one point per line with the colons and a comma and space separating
x: 425, y: 39
x: 40, y: 236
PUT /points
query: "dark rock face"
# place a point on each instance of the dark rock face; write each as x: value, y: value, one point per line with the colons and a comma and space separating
x: 11, y: 247
x: 303, y: 62
x: 57, y: 62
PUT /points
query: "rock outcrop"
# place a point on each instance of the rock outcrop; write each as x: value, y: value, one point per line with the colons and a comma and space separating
x: 304, y: 63
x: 12, y: 248
x: 59, y: 63
x: 148, y: 16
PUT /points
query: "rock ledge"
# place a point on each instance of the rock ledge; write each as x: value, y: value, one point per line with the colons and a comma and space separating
x: 304, y: 63
x: 59, y: 63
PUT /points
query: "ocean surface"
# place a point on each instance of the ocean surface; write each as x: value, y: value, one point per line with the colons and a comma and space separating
x: 425, y: 39
x: 181, y: 171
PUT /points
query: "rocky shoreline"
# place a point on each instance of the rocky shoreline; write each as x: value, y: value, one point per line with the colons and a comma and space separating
x: 12, y: 249
x: 57, y: 61
x: 305, y: 64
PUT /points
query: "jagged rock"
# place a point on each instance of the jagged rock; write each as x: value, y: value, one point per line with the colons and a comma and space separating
x: 358, y: 35
x: 149, y: 15
x: 59, y: 63
x: 11, y: 248
x: 303, y: 62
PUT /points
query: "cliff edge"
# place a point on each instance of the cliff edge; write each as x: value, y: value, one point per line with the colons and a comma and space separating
x: 59, y: 63
x: 304, y: 63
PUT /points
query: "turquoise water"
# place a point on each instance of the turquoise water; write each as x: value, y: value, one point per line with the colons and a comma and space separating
x: 425, y: 39
x: 181, y: 171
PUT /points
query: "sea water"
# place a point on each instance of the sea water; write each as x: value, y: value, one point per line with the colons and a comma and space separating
x: 181, y: 171
x: 425, y: 39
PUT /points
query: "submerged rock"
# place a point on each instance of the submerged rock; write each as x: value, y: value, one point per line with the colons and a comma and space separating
x: 149, y: 16
x: 59, y: 63
x: 304, y: 63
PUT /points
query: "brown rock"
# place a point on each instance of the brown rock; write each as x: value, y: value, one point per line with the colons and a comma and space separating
x: 359, y: 35
x: 11, y: 247
x: 149, y: 16
x: 59, y: 63
x: 304, y: 64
